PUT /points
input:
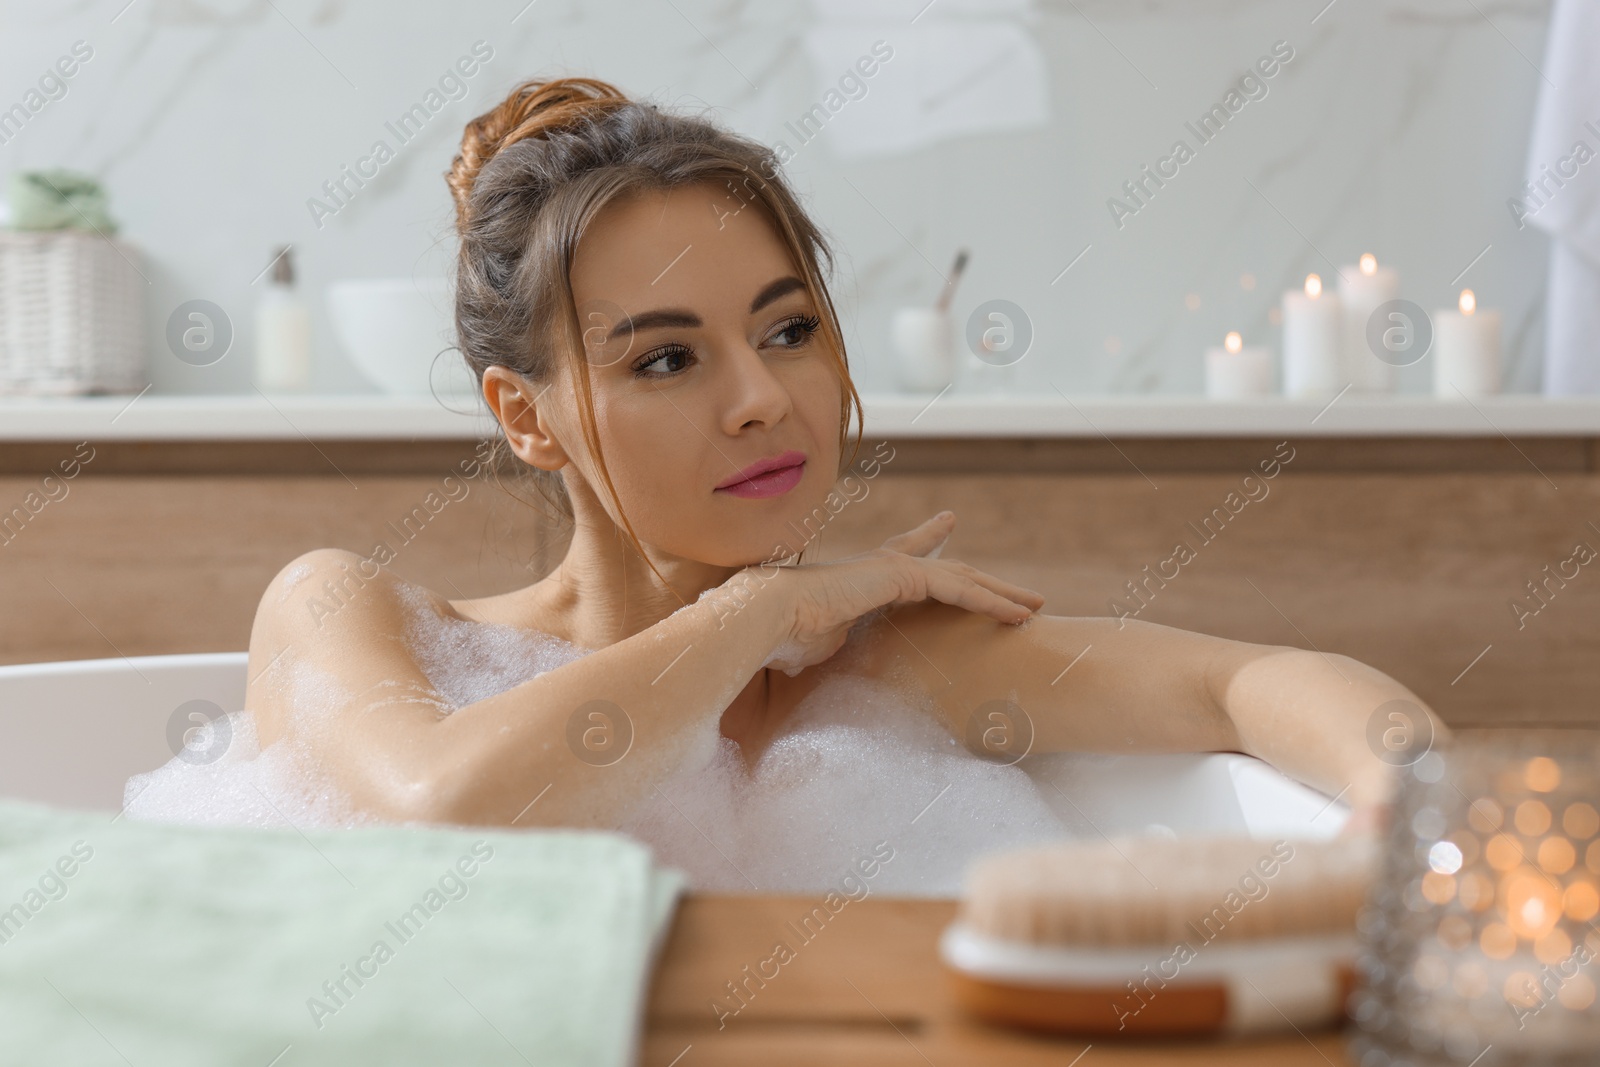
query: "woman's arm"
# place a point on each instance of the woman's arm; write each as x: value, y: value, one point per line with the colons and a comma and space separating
x: 1110, y: 685
x: 381, y: 733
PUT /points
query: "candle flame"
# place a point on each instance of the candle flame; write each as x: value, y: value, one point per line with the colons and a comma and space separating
x: 1369, y: 263
x: 1233, y: 342
x: 1469, y: 302
x: 1313, y: 285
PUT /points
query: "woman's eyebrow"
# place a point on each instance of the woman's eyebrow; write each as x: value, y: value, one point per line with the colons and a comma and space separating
x: 781, y: 287
x: 650, y: 320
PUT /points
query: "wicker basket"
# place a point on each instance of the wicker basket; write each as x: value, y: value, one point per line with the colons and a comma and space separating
x: 71, y: 314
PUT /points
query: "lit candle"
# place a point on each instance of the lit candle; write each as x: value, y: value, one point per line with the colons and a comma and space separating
x: 1312, y: 359
x: 1362, y: 290
x: 1466, y: 350
x: 1234, y: 371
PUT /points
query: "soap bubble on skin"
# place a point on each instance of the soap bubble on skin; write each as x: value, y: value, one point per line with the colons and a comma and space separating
x: 470, y: 661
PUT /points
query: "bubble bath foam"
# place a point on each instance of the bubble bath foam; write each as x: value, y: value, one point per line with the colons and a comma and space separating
x: 864, y: 767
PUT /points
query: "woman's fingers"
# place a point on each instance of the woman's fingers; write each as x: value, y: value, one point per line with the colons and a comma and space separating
x: 926, y: 538
x: 1020, y: 594
x: 963, y: 592
x: 967, y: 587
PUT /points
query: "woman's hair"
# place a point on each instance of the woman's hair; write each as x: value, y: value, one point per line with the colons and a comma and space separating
x: 534, y: 172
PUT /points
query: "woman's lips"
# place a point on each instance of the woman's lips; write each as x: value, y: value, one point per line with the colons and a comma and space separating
x: 774, y: 482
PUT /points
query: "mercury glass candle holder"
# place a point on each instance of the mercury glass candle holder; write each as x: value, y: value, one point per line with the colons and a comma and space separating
x: 1479, y: 939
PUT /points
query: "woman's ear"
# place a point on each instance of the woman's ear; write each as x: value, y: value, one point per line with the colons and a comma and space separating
x: 528, y: 427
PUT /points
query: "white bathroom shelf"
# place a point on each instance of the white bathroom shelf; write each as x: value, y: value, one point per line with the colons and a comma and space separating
x: 250, y: 416
x: 154, y: 417
x: 1350, y: 415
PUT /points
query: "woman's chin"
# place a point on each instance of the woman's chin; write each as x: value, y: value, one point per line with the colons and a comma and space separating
x: 771, y: 540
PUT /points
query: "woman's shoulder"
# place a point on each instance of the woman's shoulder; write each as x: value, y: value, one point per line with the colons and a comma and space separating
x: 325, y: 585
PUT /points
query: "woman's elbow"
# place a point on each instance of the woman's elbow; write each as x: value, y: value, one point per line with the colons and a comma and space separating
x: 424, y: 797
x: 430, y: 783
x: 470, y: 790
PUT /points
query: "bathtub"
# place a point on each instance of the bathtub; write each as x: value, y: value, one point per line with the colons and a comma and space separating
x: 73, y: 732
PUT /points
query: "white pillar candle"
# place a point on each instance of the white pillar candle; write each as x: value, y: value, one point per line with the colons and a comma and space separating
x: 1466, y: 350
x: 1234, y: 372
x: 1362, y: 289
x: 1313, y: 362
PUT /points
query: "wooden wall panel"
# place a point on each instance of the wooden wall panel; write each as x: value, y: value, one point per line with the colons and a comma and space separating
x: 1410, y: 570
x: 140, y: 565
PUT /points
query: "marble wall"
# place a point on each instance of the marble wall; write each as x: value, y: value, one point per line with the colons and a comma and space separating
x: 1004, y: 126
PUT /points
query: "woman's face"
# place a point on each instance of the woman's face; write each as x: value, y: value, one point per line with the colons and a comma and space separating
x: 706, y: 356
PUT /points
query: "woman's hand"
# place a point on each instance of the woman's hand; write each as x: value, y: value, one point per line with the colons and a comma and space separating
x: 927, y: 540
x: 823, y: 600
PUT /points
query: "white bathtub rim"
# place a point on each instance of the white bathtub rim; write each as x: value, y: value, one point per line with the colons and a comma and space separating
x: 114, y: 664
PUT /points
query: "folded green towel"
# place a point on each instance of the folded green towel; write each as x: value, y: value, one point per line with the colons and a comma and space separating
x: 124, y: 942
x: 58, y: 200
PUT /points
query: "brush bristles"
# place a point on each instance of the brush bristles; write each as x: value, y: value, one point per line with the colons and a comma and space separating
x: 1156, y: 891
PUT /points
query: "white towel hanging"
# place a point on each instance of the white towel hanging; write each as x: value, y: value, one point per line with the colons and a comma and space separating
x: 1562, y: 196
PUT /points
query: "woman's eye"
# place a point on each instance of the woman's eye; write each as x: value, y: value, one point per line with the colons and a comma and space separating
x: 663, y: 364
x: 796, y: 332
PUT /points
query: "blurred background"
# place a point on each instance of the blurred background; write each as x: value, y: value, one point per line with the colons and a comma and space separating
x: 1399, y: 128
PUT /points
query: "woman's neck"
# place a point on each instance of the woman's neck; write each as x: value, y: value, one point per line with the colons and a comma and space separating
x: 603, y: 592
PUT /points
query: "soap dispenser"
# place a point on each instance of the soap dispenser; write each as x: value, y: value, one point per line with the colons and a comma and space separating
x: 283, y: 333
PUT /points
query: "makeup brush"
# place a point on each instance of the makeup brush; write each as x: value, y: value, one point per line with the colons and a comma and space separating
x: 1161, y: 936
x: 943, y: 303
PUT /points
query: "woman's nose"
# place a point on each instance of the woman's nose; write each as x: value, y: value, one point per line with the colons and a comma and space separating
x: 755, y: 395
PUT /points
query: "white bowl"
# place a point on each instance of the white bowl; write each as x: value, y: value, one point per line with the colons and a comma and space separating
x: 395, y: 329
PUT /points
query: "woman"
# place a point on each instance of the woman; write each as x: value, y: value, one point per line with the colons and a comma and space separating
x: 643, y: 301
